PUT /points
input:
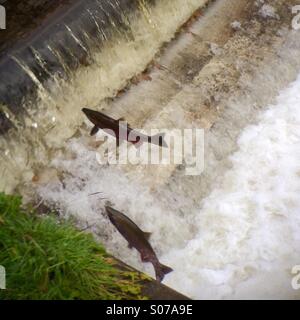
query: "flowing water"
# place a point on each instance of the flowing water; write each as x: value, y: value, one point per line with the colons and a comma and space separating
x: 241, y: 241
x: 232, y: 232
x: 247, y: 237
x: 54, y: 113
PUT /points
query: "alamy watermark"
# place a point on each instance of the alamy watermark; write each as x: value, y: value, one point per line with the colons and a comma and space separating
x: 296, y: 19
x: 2, y: 18
x: 2, y: 278
x: 181, y: 147
x: 296, y: 279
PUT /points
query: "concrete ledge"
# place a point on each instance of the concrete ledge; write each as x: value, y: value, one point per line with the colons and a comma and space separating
x: 152, y: 289
x: 59, y: 26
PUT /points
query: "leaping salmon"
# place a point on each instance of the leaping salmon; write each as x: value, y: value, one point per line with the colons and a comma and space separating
x: 137, y: 239
x: 104, y: 122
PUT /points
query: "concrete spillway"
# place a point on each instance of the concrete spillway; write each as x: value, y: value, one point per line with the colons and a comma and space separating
x: 84, y: 51
x: 220, y: 74
x: 63, y: 41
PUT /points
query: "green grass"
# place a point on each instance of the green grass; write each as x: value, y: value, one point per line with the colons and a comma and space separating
x: 46, y: 259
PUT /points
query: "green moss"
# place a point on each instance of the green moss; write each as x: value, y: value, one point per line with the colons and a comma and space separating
x: 47, y: 259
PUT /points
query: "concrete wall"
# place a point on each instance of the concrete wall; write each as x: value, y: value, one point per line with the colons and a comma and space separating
x: 38, y: 24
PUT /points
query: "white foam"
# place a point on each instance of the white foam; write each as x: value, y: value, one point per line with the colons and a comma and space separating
x: 249, y: 227
x: 243, y: 239
x: 267, y: 11
x: 240, y: 242
x: 84, y: 176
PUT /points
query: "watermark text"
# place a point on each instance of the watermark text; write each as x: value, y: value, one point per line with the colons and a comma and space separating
x: 2, y: 278
x: 176, y: 147
x: 296, y: 278
x: 2, y: 18
x: 296, y: 19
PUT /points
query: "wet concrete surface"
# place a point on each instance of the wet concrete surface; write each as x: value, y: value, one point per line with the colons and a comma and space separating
x: 151, y: 288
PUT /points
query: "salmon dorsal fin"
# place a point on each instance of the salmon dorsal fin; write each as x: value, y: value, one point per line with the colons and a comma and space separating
x: 94, y: 131
x: 147, y: 235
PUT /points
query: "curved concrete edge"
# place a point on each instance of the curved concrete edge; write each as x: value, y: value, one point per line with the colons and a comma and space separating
x: 63, y: 39
x: 57, y: 42
x: 151, y: 288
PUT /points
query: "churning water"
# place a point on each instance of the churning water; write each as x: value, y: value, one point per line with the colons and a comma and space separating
x: 55, y: 114
x: 235, y: 236
x: 241, y: 241
x: 247, y: 238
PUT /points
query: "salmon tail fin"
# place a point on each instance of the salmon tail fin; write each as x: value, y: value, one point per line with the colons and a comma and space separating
x: 159, y: 139
x: 162, y: 270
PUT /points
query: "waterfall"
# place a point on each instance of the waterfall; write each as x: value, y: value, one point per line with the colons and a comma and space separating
x: 231, y: 232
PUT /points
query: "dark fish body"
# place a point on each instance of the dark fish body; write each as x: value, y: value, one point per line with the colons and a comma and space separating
x: 137, y: 239
x: 104, y: 122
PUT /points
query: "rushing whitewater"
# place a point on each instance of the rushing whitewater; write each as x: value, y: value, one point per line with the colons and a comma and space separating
x: 248, y: 228
x: 240, y: 242
x: 54, y: 116
x: 234, y: 231
x: 231, y: 232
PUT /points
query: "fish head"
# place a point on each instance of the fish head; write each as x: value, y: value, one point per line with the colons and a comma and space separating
x: 92, y: 115
x: 112, y: 214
